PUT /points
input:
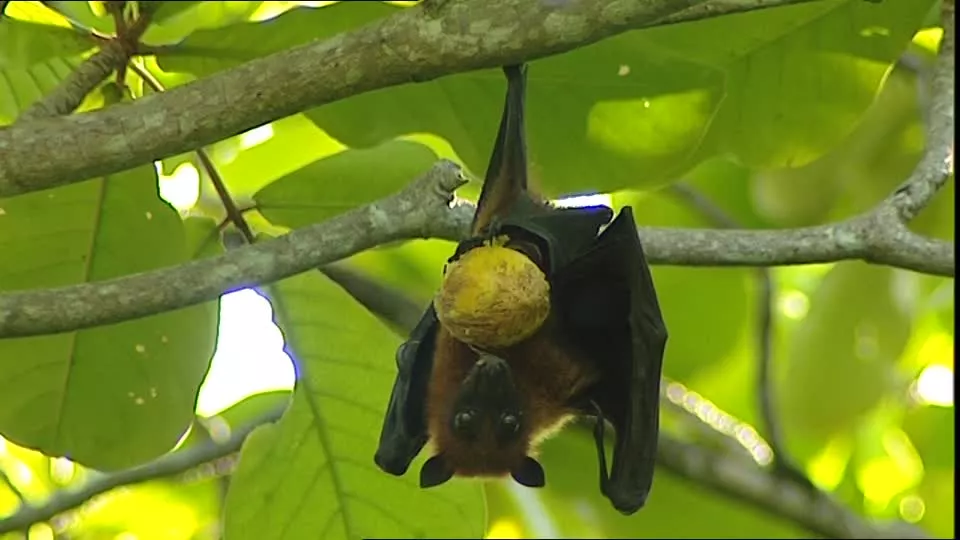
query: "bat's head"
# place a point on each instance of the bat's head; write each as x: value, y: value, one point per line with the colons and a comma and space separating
x: 493, y: 296
x: 487, y: 432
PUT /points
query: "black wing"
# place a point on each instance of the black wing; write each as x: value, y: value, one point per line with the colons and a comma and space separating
x: 404, y: 429
x: 608, y: 307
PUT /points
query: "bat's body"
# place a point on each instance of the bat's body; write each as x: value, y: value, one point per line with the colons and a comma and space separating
x: 546, y: 378
x: 541, y: 317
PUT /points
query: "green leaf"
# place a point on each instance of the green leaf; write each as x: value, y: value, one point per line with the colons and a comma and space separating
x: 312, y: 473
x: 205, y: 52
x: 705, y: 311
x: 203, y: 237
x: 23, y: 44
x: 156, y: 510
x: 932, y: 429
x: 346, y: 180
x: 247, y: 168
x: 798, y: 77
x: 592, y: 124
x: 20, y: 87
x: 415, y: 267
x: 177, y: 20
x: 859, y: 171
x: 239, y: 415
x: 165, y: 10
x: 82, y: 15
x: 843, y: 354
x: 112, y: 396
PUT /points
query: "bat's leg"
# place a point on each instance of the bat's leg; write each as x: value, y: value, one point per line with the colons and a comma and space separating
x: 601, y: 454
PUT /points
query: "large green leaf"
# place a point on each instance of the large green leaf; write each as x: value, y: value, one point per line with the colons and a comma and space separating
x: 798, y: 77
x: 860, y: 171
x: 176, y: 20
x: 21, y: 87
x: 842, y: 356
x: 210, y: 50
x: 312, y: 473
x: 342, y: 181
x: 704, y: 309
x: 592, y: 124
x: 112, y: 396
x: 23, y: 44
x: 237, y: 416
x: 82, y: 15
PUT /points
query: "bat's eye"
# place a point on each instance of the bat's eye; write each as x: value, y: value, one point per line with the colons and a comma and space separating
x: 510, y: 423
x: 464, y: 422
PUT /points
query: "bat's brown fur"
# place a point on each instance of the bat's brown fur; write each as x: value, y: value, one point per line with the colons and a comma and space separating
x: 546, y: 377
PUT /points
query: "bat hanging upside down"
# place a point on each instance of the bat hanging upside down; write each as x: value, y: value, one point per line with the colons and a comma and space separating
x: 541, y: 317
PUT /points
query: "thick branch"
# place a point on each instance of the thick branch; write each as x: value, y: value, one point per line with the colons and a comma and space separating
x: 851, y: 239
x: 415, y: 44
x: 937, y: 162
x: 418, y: 212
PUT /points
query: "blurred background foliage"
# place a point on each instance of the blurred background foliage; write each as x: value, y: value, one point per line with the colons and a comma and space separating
x: 783, y: 118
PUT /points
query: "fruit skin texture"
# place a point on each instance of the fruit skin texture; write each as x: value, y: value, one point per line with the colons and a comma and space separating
x: 493, y: 297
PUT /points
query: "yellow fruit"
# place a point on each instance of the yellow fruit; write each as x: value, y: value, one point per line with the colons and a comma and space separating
x: 493, y: 297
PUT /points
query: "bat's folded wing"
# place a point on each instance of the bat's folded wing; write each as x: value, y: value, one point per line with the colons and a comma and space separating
x: 404, y: 431
x: 609, y: 309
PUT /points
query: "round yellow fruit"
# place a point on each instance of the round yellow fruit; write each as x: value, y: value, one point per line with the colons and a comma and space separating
x: 493, y: 297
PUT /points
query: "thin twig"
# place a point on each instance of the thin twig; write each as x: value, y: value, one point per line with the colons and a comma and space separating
x: 766, y: 295
x: 8, y: 482
x: 387, y: 303
x: 166, y: 466
x: 234, y: 214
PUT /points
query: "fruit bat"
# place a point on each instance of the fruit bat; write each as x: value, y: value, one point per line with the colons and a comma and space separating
x: 544, y: 314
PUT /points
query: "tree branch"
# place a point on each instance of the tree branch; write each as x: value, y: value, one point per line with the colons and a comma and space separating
x: 415, y: 44
x: 168, y: 465
x: 420, y: 210
x: 741, y: 478
x: 69, y: 94
x: 936, y: 165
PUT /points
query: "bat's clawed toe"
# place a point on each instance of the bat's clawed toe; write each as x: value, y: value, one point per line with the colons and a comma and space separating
x: 529, y: 473
x: 435, y: 471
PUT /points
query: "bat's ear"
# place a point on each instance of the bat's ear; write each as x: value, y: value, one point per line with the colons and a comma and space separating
x: 529, y: 473
x: 434, y: 472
